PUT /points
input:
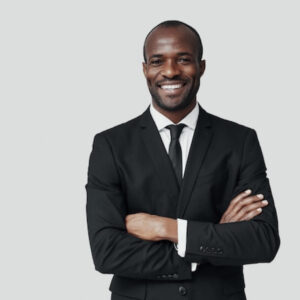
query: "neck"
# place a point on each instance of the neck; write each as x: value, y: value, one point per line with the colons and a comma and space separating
x: 176, y: 116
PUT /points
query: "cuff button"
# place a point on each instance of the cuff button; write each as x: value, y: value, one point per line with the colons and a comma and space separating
x: 182, y: 291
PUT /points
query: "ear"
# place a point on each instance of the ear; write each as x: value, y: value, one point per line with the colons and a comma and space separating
x: 145, y: 69
x: 202, y: 66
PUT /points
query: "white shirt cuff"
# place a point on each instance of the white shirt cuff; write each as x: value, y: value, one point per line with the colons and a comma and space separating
x: 181, y: 246
x: 194, y: 267
x: 182, y: 232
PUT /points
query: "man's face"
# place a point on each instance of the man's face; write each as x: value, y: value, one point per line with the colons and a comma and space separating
x: 172, y: 69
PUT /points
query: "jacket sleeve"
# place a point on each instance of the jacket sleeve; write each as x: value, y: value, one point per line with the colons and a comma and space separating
x: 244, y: 242
x: 114, y: 250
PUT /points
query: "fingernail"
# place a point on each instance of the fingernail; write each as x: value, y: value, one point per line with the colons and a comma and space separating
x: 265, y: 202
x: 248, y: 191
x: 259, y: 209
x: 260, y: 196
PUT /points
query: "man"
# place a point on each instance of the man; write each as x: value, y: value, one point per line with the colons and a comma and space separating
x: 178, y: 199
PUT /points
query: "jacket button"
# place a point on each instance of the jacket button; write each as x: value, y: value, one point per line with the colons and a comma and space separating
x: 182, y: 291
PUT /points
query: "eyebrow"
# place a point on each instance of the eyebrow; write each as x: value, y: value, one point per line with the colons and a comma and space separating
x: 179, y: 54
x: 184, y: 53
x: 155, y: 55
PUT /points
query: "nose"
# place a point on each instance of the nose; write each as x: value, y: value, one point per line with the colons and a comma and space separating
x: 170, y: 69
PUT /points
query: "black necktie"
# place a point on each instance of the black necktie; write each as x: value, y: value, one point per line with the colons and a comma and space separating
x: 175, y: 150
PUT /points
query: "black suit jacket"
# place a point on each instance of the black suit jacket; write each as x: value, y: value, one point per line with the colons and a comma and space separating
x: 130, y: 171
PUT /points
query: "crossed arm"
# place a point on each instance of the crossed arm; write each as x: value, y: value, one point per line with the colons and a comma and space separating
x: 121, y: 246
x: 145, y: 226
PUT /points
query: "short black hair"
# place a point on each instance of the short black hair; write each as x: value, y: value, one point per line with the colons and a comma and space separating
x: 176, y: 23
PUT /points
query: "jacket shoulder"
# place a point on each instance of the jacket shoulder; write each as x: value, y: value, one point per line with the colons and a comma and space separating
x: 120, y: 131
x: 225, y: 126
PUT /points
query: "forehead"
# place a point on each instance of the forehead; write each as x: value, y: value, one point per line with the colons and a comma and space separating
x: 170, y: 41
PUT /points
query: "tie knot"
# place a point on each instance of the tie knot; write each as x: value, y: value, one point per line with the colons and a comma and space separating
x: 175, y: 130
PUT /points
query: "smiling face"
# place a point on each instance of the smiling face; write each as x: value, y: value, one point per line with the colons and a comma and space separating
x: 173, y: 69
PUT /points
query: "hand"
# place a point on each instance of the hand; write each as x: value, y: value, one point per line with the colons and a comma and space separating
x: 244, y: 207
x: 145, y: 226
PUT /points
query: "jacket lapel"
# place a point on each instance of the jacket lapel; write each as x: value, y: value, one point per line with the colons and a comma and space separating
x: 158, y: 154
x: 200, y: 143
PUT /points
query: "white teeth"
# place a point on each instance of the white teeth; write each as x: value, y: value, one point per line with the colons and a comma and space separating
x: 173, y: 86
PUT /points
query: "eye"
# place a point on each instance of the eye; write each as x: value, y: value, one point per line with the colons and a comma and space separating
x: 184, y: 60
x: 155, y: 62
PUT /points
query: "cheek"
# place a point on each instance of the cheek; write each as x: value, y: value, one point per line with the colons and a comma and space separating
x: 192, y: 73
x: 151, y: 77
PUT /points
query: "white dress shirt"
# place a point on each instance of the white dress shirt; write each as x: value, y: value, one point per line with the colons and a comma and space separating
x: 185, y: 140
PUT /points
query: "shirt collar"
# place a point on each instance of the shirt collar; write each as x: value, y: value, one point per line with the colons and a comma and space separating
x: 161, y: 121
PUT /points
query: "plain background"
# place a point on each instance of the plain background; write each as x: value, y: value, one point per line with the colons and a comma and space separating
x: 70, y: 69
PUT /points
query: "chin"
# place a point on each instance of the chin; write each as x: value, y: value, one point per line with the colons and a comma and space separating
x: 172, y: 103
x: 172, y: 106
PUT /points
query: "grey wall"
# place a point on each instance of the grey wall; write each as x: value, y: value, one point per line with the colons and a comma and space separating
x: 70, y: 69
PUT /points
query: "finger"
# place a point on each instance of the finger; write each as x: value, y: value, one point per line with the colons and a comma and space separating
x: 252, y: 214
x: 231, y: 210
x: 238, y: 198
x: 248, y: 209
x: 244, y: 202
x: 233, y: 202
x: 245, y: 210
x: 128, y: 217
